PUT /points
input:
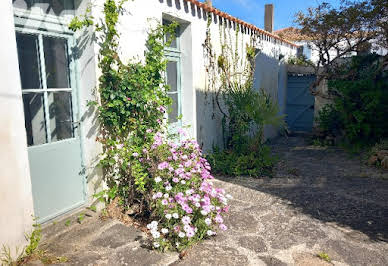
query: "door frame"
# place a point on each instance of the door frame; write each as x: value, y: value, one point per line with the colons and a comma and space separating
x: 76, y: 98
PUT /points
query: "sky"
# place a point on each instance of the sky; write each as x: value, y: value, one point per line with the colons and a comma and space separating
x: 252, y: 11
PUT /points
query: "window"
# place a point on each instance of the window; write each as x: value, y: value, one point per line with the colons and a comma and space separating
x: 45, y: 81
x: 173, y: 76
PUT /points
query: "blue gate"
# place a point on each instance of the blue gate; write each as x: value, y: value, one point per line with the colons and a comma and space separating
x: 300, y: 103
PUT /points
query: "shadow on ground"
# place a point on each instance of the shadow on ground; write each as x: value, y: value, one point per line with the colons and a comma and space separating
x: 329, y: 185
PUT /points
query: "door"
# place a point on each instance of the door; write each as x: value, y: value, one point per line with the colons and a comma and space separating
x: 50, y: 100
x: 300, y: 103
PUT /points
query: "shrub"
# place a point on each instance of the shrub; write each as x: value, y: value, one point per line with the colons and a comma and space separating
x: 300, y: 61
x: 185, y: 206
x: 142, y: 167
x: 245, y: 153
x: 230, y: 163
x: 329, y: 120
x: 360, y: 91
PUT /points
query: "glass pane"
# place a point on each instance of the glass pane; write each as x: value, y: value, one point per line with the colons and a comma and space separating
x: 52, y: 7
x: 28, y: 53
x: 34, y: 118
x: 174, y: 112
x: 57, y: 65
x: 61, y: 117
x: 172, y: 75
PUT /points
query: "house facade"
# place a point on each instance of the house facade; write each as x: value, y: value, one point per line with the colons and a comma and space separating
x: 49, y: 151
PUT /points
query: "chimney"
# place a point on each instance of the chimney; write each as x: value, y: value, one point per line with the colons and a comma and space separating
x: 209, y: 3
x: 268, y: 18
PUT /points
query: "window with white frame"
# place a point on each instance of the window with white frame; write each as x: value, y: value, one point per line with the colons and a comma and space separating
x: 173, y: 75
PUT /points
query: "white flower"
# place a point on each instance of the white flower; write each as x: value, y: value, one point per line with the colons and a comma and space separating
x: 203, y: 212
x: 197, y: 204
x: 177, y: 244
x: 181, y: 234
x: 156, y: 244
x: 210, y: 232
x: 155, y: 234
x: 229, y: 196
x: 153, y: 225
x: 208, y: 221
x: 158, y: 179
x: 168, y: 216
x: 183, y: 182
x: 175, y: 215
x: 168, y: 188
x: 166, y: 196
x: 164, y: 230
x: 186, y: 220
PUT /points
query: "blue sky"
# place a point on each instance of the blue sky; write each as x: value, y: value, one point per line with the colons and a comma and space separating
x: 252, y: 11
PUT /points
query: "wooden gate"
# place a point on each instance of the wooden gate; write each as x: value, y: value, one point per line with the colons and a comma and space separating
x: 300, y: 103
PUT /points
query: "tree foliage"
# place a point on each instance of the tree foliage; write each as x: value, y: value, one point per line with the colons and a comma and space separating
x: 346, y: 29
x: 360, y: 106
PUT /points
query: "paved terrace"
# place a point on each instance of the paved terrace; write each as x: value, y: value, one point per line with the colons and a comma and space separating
x: 320, y: 200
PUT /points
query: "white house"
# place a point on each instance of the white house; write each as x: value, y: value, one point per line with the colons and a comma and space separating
x: 48, y: 74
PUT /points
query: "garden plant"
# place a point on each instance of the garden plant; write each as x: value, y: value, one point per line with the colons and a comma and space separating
x: 166, y: 177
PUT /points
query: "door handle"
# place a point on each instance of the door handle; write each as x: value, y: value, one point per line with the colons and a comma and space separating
x: 76, y: 124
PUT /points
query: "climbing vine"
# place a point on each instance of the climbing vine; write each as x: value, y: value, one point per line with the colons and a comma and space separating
x: 245, y: 110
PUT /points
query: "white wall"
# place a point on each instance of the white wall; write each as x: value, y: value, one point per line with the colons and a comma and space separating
x: 16, y: 206
x: 199, y: 108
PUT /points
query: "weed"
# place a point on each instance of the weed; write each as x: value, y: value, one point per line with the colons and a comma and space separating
x: 33, y: 239
x: 81, y: 217
x: 6, y: 256
x: 324, y: 256
x: 31, y: 252
x: 67, y: 223
x: 93, y: 208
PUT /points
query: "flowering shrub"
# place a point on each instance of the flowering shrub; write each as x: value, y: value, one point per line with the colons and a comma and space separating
x: 185, y: 205
x: 163, y: 180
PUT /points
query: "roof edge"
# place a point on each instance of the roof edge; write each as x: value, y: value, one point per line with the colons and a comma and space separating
x: 225, y: 15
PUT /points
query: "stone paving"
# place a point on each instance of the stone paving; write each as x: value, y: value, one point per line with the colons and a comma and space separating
x: 319, y: 201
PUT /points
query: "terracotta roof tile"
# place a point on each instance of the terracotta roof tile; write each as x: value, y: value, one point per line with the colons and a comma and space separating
x: 243, y: 23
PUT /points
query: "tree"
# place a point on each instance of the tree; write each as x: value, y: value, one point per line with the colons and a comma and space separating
x: 346, y: 29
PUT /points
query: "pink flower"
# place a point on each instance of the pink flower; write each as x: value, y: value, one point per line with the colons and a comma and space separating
x: 190, y: 234
x: 157, y: 195
x: 149, y: 130
x: 223, y: 227
x: 163, y: 165
x: 182, y: 132
x: 164, y: 202
x: 175, y: 180
x: 162, y: 109
x: 135, y: 154
x: 219, y: 219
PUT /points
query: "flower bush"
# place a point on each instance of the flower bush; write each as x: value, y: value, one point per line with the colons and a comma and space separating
x: 164, y: 180
x: 185, y: 205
